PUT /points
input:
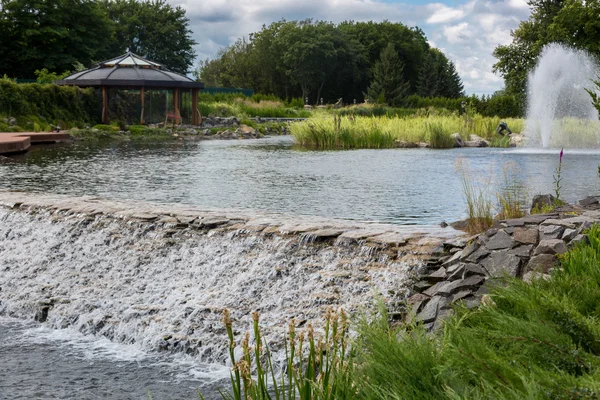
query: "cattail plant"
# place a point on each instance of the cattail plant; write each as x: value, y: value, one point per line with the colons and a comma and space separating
x: 318, y: 366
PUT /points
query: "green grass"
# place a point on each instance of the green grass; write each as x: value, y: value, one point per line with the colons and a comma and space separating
x: 322, y: 131
x: 531, y: 341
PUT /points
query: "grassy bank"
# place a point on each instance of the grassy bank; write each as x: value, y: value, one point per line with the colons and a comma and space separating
x: 527, y: 341
x: 351, y: 132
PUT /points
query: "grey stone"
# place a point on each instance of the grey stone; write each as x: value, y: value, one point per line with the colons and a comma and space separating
x: 323, y: 234
x: 543, y: 200
x: 453, y: 260
x: 551, y: 231
x: 522, y: 251
x: 437, y: 276
x: 442, y: 316
x: 472, y: 302
x: 526, y: 235
x: 560, y: 222
x: 417, y: 301
x: 470, y: 249
x: 210, y: 223
x: 458, y: 141
x: 461, y: 295
x: 515, y: 222
x: 538, y: 218
x: 501, y: 262
x: 541, y: 263
x: 588, y: 201
x: 578, y: 239
x: 550, y: 246
x: 479, y: 255
x: 470, y: 283
x: 432, y: 291
x: 430, y: 310
x: 569, y: 234
x: 421, y: 286
x: 467, y: 270
x: 531, y: 275
x: 500, y: 240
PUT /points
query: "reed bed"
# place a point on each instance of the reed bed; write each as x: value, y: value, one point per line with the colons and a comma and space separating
x: 351, y: 132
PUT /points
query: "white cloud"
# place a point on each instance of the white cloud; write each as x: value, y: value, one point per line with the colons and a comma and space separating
x: 467, y: 32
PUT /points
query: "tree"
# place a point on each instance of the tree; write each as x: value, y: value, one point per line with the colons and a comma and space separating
x: 51, y: 34
x: 438, y: 77
x: 572, y: 22
x: 388, y: 85
x: 153, y: 29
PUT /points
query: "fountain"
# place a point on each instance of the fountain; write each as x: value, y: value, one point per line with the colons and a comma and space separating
x: 559, y: 111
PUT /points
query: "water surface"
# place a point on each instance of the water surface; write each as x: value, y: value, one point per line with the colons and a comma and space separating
x: 401, y: 186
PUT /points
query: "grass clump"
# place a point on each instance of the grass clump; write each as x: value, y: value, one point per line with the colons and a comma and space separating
x: 529, y: 341
x: 479, y: 205
x: 317, y: 366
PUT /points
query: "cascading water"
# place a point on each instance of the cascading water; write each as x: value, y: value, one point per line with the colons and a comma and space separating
x: 560, y: 112
x: 164, y: 287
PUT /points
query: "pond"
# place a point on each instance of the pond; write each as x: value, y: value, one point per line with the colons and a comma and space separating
x: 399, y: 186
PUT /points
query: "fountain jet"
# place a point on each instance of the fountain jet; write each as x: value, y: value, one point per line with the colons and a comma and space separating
x: 559, y: 110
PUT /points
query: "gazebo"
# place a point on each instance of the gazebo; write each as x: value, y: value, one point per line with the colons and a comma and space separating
x: 132, y: 72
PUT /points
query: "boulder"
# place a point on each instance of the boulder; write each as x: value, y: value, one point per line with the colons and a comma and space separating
x: 500, y: 263
x: 541, y: 263
x: 430, y: 310
x: 550, y: 246
x: 437, y: 276
x: 476, y: 141
x: 458, y: 141
x: 516, y: 140
x: 526, y: 235
x: 569, y: 234
x: 542, y: 201
x: 500, y: 240
x: 523, y: 251
x: 550, y: 232
x: 470, y: 283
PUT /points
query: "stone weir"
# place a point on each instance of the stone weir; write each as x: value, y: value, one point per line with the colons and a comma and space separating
x: 159, y: 276
x: 526, y: 248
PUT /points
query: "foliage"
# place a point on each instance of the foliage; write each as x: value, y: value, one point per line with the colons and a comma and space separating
x: 51, y: 34
x: 317, y: 367
x: 527, y: 341
x: 384, y: 132
x: 438, y: 77
x: 388, y: 85
x: 44, y: 76
x: 153, y: 29
x: 317, y: 59
x: 511, y: 195
x: 58, y: 35
x: 479, y: 206
x: 47, y: 105
x: 571, y: 22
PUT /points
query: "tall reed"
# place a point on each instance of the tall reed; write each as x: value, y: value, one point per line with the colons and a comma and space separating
x: 317, y: 366
x: 512, y: 194
x: 479, y: 205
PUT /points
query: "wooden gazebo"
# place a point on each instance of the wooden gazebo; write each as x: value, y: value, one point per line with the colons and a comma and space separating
x: 132, y: 72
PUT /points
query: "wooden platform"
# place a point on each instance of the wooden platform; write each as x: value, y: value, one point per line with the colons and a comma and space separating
x: 18, y: 142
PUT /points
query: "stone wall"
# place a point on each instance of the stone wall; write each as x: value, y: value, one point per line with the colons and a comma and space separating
x: 525, y: 247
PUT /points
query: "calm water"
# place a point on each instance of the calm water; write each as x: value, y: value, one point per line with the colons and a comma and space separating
x: 403, y: 186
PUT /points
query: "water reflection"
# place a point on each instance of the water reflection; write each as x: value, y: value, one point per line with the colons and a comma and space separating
x: 404, y: 186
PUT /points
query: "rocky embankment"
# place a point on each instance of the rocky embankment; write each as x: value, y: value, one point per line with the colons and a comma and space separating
x: 463, y: 269
x: 160, y: 275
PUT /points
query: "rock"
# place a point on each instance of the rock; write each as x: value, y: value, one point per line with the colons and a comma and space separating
x: 550, y: 246
x: 42, y: 313
x: 500, y: 240
x: 500, y: 263
x: 432, y: 291
x: 421, y: 286
x: 550, y: 232
x: 516, y: 140
x: 515, y: 222
x: 579, y: 239
x: 588, y: 201
x: 569, y: 234
x: 542, y: 201
x: 565, y: 223
x: 526, y: 235
x: 458, y: 141
x: 443, y: 314
x: 522, y: 251
x: 389, y: 239
x: 479, y: 255
x: 461, y: 295
x: 437, y: 276
x: 476, y: 141
x: 443, y: 224
x: 210, y: 223
x: 323, y: 234
x: 470, y: 283
x: 12, y: 121
x: 531, y: 275
x: 430, y: 310
x: 466, y: 270
x: 454, y: 259
x: 246, y: 129
x: 541, y: 263
x: 417, y: 301
x: 470, y: 249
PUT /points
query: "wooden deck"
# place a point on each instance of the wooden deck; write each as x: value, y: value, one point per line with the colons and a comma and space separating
x: 18, y: 142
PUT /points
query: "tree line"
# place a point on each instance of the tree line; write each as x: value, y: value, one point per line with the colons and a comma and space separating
x: 383, y: 62
x: 574, y: 23
x: 63, y: 35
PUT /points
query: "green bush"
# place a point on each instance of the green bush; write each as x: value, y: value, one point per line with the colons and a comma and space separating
x: 107, y: 128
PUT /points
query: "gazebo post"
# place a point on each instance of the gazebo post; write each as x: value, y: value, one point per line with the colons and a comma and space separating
x: 195, y: 112
x: 176, y: 106
x: 104, y: 105
x: 143, y: 104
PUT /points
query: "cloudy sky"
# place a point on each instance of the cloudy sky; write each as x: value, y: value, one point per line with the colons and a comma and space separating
x: 467, y: 31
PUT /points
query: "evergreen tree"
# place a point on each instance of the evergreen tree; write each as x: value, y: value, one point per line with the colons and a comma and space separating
x: 388, y: 85
x: 454, y: 86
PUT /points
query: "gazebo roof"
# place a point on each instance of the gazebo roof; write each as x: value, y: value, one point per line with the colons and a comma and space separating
x: 130, y: 71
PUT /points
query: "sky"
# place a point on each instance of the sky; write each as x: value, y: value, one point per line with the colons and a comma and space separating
x: 466, y: 31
